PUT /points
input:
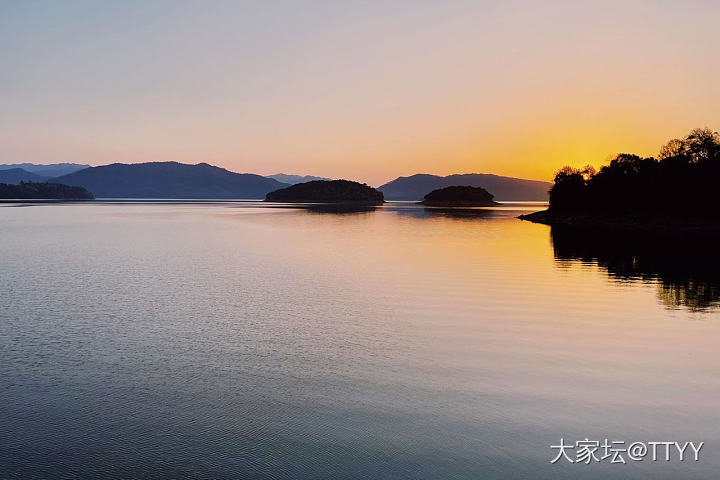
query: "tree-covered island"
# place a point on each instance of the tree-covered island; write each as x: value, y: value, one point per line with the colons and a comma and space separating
x: 327, y: 191
x: 459, y: 196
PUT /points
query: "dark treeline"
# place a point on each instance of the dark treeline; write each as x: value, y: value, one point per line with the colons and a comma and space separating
x: 686, y: 174
x: 43, y: 190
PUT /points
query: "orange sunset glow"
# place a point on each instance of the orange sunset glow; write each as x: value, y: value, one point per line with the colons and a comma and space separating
x: 353, y: 90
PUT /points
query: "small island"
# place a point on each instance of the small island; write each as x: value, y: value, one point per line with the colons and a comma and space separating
x: 459, y: 196
x: 673, y: 194
x: 43, y: 191
x: 328, y: 191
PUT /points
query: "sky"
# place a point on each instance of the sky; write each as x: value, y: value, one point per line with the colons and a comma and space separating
x: 363, y: 90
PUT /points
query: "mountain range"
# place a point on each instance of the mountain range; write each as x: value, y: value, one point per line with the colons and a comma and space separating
x: 415, y: 187
x: 13, y: 176
x: 179, y: 180
x: 46, y: 171
x: 293, y: 179
x: 169, y: 180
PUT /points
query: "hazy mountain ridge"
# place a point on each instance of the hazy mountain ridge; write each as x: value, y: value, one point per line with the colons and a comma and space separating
x: 47, y: 171
x: 170, y: 180
x: 179, y: 180
x: 293, y: 179
x: 13, y: 176
x: 415, y: 187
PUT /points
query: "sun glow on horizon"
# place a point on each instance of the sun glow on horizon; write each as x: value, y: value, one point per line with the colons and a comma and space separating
x: 351, y: 90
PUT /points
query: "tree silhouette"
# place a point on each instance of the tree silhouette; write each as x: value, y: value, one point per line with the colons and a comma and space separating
x: 686, y: 175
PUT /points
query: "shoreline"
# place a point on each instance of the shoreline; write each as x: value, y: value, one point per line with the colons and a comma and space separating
x: 624, y: 223
x: 457, y: 203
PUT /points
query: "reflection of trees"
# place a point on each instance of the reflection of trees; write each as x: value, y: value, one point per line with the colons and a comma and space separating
x: 686, y: 269
x: 339, y: 208
x: 458, y: 213
x: 696, y: 295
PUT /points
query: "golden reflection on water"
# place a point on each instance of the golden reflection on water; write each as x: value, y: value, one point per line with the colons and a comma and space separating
x: 685, y: 268
x: 430, y: 333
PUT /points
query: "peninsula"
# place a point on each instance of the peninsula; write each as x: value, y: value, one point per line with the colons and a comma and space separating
x: 43, y: 191
x: 674, y: 193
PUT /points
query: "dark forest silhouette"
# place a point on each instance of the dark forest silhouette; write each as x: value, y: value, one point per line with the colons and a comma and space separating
x: 648, y: 219
x: 42, y: 191
x: 685, y: 175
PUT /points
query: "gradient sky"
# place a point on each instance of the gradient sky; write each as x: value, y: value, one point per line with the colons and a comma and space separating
x: 365, y: 90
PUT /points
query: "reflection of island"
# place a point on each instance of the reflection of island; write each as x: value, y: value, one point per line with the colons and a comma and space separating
x: 328, y: 191
x: 675, y: 193
x: 459, y: 196
x: 429, y: 213
x: 687, y: 270
x: 43, y: 191
x: 459, y: 213
x: 338, y: 208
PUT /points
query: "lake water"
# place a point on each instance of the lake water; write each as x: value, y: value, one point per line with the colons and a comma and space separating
x: 231, y: 340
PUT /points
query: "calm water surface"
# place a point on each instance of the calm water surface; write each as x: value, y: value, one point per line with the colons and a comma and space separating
x: 233, y: 341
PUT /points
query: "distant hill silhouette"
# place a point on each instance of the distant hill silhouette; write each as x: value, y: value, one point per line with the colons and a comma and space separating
x: 327, y: 191
x: 293, y: 179
x: 415, y: 187
x: 48, y: 171
x: 459, y: 196
x: 169, y: 180
x: 13, y: 176
x: 38, y: 191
